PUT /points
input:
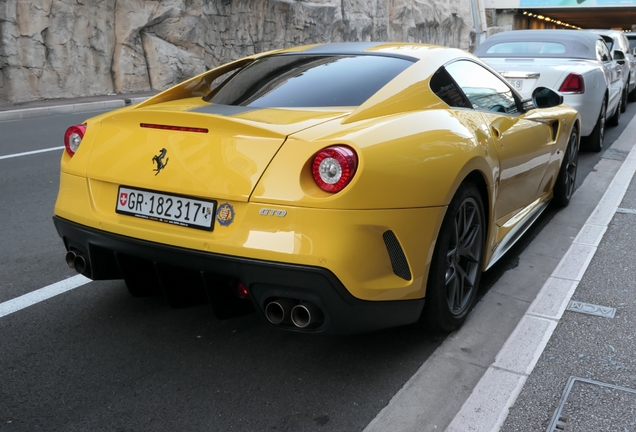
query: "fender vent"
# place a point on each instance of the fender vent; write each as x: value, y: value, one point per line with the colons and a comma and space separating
x: 396, y: 255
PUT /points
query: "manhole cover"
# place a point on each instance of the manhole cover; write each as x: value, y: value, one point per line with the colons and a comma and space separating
x: 591, y: 309
x: 625, y: 210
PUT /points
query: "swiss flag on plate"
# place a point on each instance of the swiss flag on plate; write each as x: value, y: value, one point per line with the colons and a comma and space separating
x: 123, y: 198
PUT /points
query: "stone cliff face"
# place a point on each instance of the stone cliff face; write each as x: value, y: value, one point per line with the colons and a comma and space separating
x: 67, y: 48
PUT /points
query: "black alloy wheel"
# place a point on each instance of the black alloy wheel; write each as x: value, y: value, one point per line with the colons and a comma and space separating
x: 457, y: 261
x: 565, y: 183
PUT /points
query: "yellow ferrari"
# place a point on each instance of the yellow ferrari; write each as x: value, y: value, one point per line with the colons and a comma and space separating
x: 332, y: 188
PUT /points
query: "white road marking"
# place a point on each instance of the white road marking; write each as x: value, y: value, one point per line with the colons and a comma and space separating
x: 41, y: 294
x: 31, y: 152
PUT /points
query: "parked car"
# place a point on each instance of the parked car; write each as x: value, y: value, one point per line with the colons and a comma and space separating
x: 332, y: 188
x: 576, y: 63
x: 621, y: 51
x: 631, y: 37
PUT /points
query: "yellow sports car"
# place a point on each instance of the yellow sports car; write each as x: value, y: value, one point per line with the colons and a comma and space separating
x: 332, y: 188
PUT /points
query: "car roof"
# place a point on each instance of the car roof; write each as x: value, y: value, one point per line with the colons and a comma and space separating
x: 612, y: 34
x: 606, y: 31
x: 579, y: 44
x: 413, y: 51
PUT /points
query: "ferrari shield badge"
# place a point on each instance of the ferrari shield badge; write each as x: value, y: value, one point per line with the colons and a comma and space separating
x: 158, y: 159
x: 225, y: 214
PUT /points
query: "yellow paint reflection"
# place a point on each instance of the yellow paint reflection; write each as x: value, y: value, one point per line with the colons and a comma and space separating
x: 280, y: 241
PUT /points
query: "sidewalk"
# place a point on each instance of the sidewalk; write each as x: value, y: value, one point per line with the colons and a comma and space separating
x: 21, y: 110
x: 570, y: 364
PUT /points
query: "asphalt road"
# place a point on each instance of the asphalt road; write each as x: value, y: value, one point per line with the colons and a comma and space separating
x: 96, y: 359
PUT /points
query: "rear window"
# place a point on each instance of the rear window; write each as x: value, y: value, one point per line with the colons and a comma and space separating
x: 534, y: 47
x: 632, y: 41
x: 301, y: 80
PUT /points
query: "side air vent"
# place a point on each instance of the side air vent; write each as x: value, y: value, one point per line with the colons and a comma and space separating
x: 396, y: 255
x: 555, y: 130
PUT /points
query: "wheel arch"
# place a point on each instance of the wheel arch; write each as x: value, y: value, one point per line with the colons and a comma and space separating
x: 577, y: 125
x: 477, y: 178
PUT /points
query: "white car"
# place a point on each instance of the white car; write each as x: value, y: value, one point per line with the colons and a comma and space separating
x: 618, y: 44
x: 576, y: 63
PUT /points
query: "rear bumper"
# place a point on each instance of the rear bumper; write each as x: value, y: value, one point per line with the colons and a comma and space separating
x: 112, y: 256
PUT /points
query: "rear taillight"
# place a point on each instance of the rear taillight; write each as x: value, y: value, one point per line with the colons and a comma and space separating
x: 573, y: 84
x: 333, y: 168
x: 73, y: 138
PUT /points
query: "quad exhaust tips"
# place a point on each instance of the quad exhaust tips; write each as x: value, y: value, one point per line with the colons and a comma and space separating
x: 288, y: 311
x: 75, y: 261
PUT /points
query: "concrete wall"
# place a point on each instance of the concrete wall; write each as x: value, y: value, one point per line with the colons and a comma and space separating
x: 67, y: 48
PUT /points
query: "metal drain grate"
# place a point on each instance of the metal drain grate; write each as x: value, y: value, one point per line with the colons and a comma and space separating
x: 591, y: 309
x: 593, y: 405
x: 561, y: 424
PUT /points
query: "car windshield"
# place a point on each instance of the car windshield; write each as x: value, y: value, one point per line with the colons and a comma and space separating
x: 301, y: 80
x: 530, y: 47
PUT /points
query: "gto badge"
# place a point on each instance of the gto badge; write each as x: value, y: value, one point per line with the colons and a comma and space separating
x: 225, y: 214
x: 158, y: 159
x: 272, y: 212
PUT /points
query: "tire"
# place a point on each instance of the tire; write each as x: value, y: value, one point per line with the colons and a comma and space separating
x: 614, y: 119
x: 595, y: 139
x: 631, y: 96
x: 624, y: 99
x: 457, y: 262
x: 564, y: 187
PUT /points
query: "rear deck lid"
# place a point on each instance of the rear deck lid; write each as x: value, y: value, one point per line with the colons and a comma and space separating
x: 195, y: 148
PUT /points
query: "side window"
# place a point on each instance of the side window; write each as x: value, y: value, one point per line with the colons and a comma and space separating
x: 602, y: 52
x: 624, y: 44
x: 446, y: 89
x: 485, y: 90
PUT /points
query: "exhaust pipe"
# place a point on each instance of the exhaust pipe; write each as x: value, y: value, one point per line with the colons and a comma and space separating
x: 76, y: 261
x: 80, y: 264
x: 306, y: 315
x: 70, y: 259
x: 277, y: 311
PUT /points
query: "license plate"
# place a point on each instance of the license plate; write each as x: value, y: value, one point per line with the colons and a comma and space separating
x: 518, y: 84
x: 166, y: 208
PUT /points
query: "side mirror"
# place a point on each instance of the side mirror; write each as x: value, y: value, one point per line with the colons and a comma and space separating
x: 543, y: 97
x: 634, y: 51
x: 619, y: 56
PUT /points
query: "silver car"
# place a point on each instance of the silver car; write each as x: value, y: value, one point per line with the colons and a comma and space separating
x: 618, y: 44
x: 576, y: 63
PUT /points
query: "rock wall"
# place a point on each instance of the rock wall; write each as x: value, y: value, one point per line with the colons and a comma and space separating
x: 67, y: 48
